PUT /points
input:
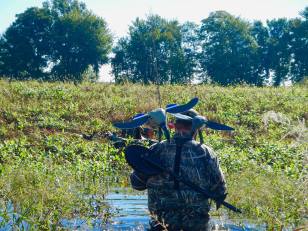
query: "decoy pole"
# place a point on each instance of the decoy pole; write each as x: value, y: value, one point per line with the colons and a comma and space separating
x: 156, y: 82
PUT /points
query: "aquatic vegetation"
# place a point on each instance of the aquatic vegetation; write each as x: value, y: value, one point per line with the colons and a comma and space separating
x: 49, y: 172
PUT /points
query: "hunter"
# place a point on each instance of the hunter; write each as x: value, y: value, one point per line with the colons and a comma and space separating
x: 173, y: 205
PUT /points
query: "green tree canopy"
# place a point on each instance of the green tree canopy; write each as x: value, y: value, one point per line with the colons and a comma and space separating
x: 261, y: 60
x: 299, y: 46
x: 152, y: 53
x: 59, y: 41
x: 191, y: 47
x: 228, y: 49
x: 63, y: 40
x: 80, y: 41
x: 279, y: 51
x: 60, y: 8
x: 25, y: 46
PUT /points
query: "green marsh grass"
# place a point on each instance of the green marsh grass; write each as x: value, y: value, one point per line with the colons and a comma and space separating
x: 49, y: 172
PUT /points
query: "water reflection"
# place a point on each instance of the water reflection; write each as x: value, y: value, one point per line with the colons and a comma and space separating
x: 131, y: 211
x: 132, y: 214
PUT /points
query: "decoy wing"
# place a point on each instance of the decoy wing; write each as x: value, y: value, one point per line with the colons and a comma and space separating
x: 136, y: 122
x: 174, y: 108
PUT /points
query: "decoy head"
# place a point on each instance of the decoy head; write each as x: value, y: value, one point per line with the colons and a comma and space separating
x: 157, y: 117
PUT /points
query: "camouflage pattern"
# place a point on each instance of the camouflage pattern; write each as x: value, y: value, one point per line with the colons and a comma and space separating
x: 138, y: 180
x: 184, y: 208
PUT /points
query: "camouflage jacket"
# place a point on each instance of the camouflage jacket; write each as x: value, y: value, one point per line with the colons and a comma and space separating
x: 198, y: 164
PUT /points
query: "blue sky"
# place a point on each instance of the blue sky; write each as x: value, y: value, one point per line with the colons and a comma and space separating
x: 120, y: 13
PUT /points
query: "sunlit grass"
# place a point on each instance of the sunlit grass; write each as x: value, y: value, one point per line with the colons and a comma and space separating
x: 48, y: 171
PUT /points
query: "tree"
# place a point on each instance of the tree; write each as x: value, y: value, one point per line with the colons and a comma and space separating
x: 59, y: 41
x: 79, y: 41
x: 152, y: 53
x: 121, y: 63
x: 299, y: 45
x: 279, y: 49
x: 191, y: 47
x: 261, y: 62
x: 25, y: 46
x: 59, y: 8
x: 228, y: 49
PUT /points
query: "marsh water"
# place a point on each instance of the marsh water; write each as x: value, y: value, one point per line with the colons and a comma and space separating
x: 130, y: 212
x: 133, y: 214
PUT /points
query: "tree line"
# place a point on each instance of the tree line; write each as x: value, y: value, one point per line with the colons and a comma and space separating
x: 63, y: 40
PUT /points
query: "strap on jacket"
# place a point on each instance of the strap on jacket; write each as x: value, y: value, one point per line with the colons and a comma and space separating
x: 177, y: 162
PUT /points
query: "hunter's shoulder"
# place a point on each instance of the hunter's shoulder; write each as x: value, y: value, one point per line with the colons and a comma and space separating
x: 209, y: 150
x: 163, y: 143
x: 197, y: 146
x: 156, y: 147
x: 202, y: 149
